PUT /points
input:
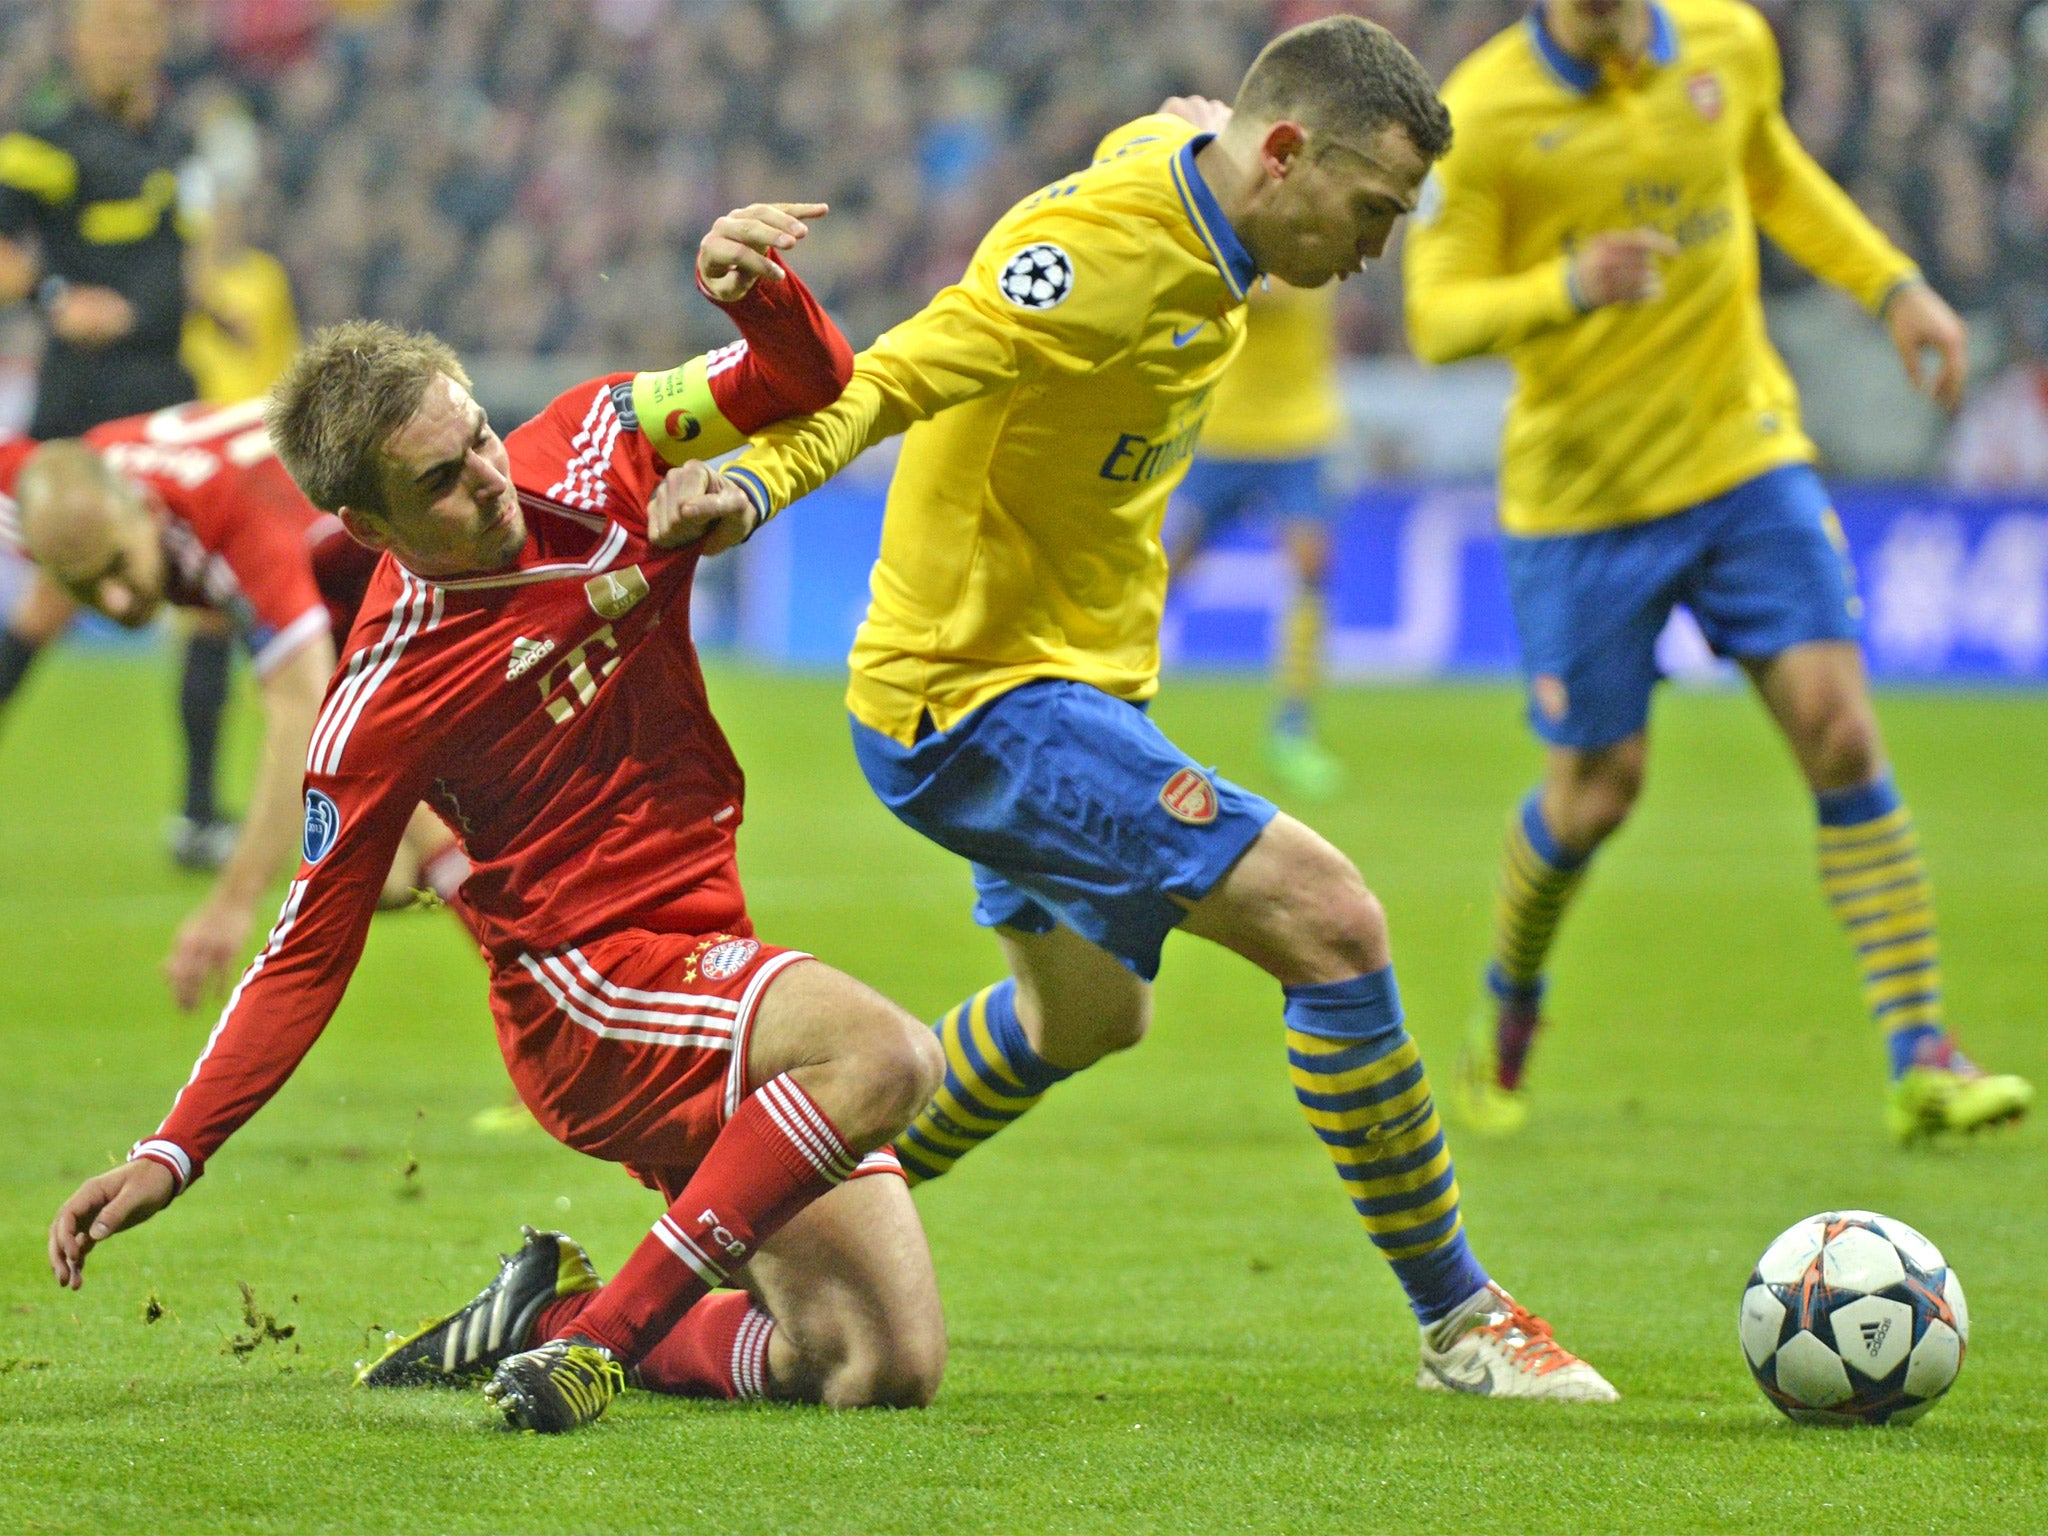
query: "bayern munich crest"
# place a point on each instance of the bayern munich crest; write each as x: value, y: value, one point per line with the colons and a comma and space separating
x: 727, y: 958
x: 1037, y: 277
x: 1189, y: 796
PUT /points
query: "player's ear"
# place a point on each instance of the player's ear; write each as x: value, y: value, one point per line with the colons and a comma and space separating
x: 366, y: 528
x: 1281, y: 147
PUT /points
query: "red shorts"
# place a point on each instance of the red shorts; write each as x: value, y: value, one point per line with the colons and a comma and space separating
x: 633, y: 1048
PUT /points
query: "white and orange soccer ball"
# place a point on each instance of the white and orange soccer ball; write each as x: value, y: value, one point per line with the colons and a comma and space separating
x: 1854, y: 1318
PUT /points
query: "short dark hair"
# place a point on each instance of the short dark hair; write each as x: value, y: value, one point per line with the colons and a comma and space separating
x: 1346, y: 77
x: 341, y: 397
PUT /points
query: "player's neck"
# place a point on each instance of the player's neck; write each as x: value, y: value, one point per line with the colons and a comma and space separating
x: 1597, y: 45
x: 1233, y: 177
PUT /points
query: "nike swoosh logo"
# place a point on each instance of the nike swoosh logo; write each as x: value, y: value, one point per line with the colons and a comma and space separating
x: 1388, y: 1130
x: 1182, y: 338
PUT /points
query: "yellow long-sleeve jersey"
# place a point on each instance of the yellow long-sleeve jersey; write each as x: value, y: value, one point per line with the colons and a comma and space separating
x: 1631, y: 411
x: 1057, y: 391
x: 1281, y: 399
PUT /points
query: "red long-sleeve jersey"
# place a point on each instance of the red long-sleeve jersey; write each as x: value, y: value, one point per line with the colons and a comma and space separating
x: 553, y: 713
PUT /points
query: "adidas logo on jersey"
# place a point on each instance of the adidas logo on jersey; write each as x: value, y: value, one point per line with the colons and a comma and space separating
x: 526, y: 655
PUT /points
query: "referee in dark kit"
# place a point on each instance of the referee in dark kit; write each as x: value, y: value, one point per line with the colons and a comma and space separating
x: 96, y: 202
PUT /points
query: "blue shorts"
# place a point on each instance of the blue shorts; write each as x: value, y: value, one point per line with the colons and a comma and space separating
x: 1763, y: 568
x: 1220, y: 492
x: 1074, y: 809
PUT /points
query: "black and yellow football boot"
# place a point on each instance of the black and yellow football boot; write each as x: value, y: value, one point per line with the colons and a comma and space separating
x: 468, y: 1344
x: 563, y: 1385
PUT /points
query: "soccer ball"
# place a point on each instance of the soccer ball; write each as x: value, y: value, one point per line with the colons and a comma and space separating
x: 1854, y: 1318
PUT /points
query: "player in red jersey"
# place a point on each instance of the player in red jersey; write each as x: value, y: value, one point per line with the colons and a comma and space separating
x: 523, y: 664
x: 188, y: 506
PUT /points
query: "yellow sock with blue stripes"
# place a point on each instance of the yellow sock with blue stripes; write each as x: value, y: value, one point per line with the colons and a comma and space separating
x: 1872, y: 872
x: 1360, y: 1081
x: 1537, y: 881
x: 992, y: 1077
x: 1301, y: 662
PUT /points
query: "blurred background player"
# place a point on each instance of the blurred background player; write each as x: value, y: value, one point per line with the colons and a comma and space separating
x: 96, y: 205
x: 189, y: 508
x: 1050, y: 401
x: 1276, y: 413
x: 1596, y: 221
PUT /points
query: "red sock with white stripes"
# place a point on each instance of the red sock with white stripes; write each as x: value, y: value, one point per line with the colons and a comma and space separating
x: 774, y: 1157
x: 719, y: 1349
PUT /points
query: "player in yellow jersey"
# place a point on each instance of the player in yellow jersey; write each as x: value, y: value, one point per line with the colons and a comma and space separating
x: 1597, y: 224
x: 999, y: 683
x: 243, y: 327
x: 1276, y: 412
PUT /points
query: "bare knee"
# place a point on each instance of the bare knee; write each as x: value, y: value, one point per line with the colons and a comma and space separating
x: 1337, y: 928
x: 904, y: 1063
x: 869, y: 1065
x: 1076, y: 1003
x: 1842, y: 749
x: 901, y: 1371
x: 1588, y: 795
x: 1124, y: 1022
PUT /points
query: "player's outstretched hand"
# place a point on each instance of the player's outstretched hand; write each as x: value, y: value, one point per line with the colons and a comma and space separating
x: 1620, y: 267
x: 112, y: 1202
x: 1206, y: 114
x: 695, y: 502
x: 204, y: 954
x: 735, y: 253
x: 1920, y: 320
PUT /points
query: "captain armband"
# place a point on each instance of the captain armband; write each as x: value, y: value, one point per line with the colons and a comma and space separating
x: 677, y: 414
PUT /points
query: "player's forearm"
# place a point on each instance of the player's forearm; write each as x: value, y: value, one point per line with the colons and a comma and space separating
x: 796, y: 359
x: 1457, y: 317
x: 949, y: 353
x: 274, y: 1021
x: 791, y: 459
x: 792, y: 359
x: 1818, y: 224
x: 269, y: 844
x: 291, y: 989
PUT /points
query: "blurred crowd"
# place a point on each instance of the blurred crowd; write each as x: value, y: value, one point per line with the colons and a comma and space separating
x: 529, y: 176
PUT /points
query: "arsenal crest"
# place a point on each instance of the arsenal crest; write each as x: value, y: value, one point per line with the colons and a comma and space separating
x: 1190, y: 797
x: 1705, y: 90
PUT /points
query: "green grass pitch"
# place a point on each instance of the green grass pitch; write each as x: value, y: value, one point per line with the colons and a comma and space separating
x: 1163, y: 1314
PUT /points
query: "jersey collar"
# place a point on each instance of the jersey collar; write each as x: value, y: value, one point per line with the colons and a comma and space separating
x: 1581, y: 76
x: 1232, y: 259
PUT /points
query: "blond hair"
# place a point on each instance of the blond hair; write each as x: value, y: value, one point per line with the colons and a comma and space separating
x: 1348, y: 78
x: 341, y: 398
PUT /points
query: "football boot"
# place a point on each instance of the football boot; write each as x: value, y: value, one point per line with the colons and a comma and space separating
x: 1304, y: 765
x: 563, y: 1385
x: 469, y: 1343
x: 1492, y: 1346
x: 1477, y: 1097
x: 1945, y: 1091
